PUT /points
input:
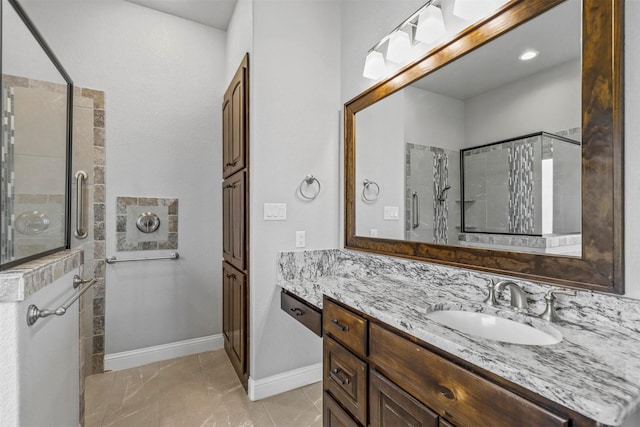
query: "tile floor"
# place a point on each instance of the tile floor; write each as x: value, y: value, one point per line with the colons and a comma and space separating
x: 198, y: 390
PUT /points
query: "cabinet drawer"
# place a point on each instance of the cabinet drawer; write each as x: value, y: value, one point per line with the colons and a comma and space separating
x: 455, y: 393
x: 345, y: 326
x: 345, y: 377
x: 333, y: 415
x: 304, y: 313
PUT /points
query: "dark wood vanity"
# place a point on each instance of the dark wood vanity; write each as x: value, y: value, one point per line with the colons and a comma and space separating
x: 376, y: 375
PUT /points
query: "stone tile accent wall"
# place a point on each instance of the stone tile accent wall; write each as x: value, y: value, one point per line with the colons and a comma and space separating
x: 129, y: 238
x: 89, y: 155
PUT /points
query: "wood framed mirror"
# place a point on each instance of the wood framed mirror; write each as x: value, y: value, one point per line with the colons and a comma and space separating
x: 599, y: 264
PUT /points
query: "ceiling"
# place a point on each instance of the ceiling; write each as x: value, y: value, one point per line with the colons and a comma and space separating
x: 214, y: 13
x: 555, y: 34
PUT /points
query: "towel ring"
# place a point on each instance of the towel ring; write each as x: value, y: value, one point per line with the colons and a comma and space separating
x: 309, y: 180
x: 367, y: 183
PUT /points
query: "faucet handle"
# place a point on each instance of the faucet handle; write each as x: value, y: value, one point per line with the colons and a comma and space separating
x: 491, y: 297
x: 549, y: 313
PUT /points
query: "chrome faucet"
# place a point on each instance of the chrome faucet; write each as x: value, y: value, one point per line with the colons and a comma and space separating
x: 518, y: 296
x: 549, y: 313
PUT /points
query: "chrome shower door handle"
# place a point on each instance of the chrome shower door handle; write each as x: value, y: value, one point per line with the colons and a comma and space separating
x: 80, y: 231
x: 415, y: 210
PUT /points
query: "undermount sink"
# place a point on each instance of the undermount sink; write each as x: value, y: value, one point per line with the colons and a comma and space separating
x: 493, y: 327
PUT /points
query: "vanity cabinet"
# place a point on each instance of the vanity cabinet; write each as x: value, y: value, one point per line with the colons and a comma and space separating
x: 306, y: 314
x: 381, y: 377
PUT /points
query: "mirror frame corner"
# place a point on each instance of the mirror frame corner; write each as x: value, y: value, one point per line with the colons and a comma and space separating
x: 601, y: 265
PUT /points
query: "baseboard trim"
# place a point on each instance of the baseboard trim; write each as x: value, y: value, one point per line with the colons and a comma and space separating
x: 276, y: 384
x: 143, y: 356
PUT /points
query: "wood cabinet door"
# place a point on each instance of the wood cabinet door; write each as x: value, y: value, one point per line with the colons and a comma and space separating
x: 234, y: 222
x: 389, y: 406
x: 235, y: 122
x: 333, y: 415
x: 235, y: 313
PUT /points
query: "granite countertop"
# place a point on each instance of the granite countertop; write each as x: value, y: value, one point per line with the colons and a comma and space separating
x: 594, y: 370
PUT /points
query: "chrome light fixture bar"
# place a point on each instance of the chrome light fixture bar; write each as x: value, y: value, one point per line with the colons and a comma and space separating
x: 425, y: 25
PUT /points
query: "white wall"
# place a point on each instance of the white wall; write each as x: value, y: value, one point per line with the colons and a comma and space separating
x: 164, y: 79
x: 548, y: 101
x: 380, y: 158
x: 39, y: 364
x: 632, y: 149
x: 239, y: 37
x: 295, y: 132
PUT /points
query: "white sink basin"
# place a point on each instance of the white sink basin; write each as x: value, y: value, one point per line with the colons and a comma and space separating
x: 494, y: 328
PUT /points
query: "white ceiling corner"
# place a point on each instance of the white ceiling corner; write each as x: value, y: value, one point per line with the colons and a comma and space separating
x: 214, y: 13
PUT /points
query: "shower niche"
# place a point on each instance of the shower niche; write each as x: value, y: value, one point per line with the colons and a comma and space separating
x: 35, y: 141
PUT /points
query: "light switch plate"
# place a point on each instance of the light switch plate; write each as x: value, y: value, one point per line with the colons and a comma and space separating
x: 275, y: 211
x: 391, y: 213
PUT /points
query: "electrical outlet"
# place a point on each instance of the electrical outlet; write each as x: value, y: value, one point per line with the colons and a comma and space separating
x: 301, y: 239
x: 373, y: 232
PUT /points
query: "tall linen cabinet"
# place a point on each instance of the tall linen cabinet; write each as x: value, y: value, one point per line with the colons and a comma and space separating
x: 235, y: 221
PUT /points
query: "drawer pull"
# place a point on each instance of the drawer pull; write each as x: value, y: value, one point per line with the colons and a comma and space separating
x: 297, y: 311
x: 447, y: 393
x: 335, y: 323
x: 334, y: 375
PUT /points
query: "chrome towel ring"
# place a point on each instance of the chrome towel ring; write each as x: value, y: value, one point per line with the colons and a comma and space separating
x: 367, y: 184
x: 309, y: 180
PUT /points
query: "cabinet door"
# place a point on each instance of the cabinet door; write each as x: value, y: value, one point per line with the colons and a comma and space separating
x: 389, y: 405
x: 236, y: 314
x: 333, y: 415
x: 227, y: 275
x: 234, y: 116
x: 233, y: 220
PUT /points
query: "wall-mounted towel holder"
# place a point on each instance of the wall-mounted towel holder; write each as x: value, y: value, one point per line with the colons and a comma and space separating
x: 367, y: 187
x: 309, y: 180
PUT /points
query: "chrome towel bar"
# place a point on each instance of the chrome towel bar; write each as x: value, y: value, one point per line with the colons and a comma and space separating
x: 34, y: 313
x: 113, y: 259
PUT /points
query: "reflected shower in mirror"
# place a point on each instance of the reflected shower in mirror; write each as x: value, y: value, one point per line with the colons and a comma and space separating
x: 35, y: 143
x: 523, y: 194
x: 410, y: 143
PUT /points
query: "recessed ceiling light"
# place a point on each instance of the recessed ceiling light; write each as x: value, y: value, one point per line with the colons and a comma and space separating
x: 528, y: 55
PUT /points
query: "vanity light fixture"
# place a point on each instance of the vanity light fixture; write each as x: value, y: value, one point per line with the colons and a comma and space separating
x: 528, y: 55
x: 374, y: 65
x: 430, y: 25
x: 399, y: 47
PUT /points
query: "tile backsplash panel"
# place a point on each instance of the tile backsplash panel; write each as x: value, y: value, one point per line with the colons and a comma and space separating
x: 129, y: 238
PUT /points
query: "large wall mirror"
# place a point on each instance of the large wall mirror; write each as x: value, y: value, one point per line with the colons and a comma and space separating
x: 36, y: 141
x: 475, y: 157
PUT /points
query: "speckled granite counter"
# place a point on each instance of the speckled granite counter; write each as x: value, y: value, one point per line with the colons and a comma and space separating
x: 18, y: 283
x: 595, y: 370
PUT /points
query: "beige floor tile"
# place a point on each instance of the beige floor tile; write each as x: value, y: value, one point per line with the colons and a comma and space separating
x: 293, y: 409
x: 96, y: 395
x: 200, y: 390
x: 234, y: 409
x: 314, y: 392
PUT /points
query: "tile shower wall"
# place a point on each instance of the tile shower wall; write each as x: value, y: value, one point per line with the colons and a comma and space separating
x: 428, y: 170
x: 89, y: 155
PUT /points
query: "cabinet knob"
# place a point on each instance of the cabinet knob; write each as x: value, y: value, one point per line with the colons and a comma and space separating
x: 447, y: 393
x: 297, y: 311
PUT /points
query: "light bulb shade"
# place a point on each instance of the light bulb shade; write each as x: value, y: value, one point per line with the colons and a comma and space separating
x: 374, y: 65
x: 399, y: 48
x: 430, y: 25
x: 472, y: 10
